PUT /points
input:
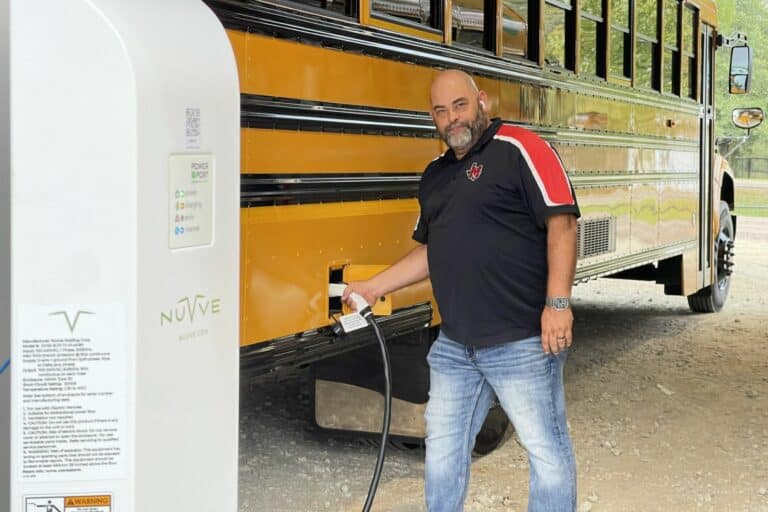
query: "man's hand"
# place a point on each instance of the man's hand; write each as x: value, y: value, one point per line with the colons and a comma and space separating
x: 556, y: 330
x: 412, y: 268
x: 364, y: 289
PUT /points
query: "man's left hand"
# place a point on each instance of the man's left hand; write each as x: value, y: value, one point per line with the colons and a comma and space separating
x: 556, y: 330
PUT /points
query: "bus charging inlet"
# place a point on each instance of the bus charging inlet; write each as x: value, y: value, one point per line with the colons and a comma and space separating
x: 359, y: 319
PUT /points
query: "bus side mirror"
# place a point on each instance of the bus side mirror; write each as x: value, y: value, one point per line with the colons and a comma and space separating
x: 747, y: 118
x: 741, y: 69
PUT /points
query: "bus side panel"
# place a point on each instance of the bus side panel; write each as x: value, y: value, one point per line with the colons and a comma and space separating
x: 678, y: 212
x: 289, y: 250
x: 286, y: 151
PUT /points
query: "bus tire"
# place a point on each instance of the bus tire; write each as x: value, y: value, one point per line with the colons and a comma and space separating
x: 493, y: 431
x: 713, y: 297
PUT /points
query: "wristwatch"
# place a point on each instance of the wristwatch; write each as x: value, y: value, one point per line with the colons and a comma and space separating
x: 558, y: 303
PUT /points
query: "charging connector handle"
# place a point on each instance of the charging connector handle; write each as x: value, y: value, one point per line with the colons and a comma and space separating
x: 337, y: 290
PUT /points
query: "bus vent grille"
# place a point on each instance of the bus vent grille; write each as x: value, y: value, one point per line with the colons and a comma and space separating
x: 596, y: 236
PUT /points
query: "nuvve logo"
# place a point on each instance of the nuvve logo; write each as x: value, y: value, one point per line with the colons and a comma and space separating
x: 188, y: 309
x: 72, y: 323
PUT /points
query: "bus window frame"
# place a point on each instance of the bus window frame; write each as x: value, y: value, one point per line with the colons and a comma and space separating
x: 695, y: 56
x: 655, y: 44
x: 369, y: 17
x: 531, y: 35
x: 299, y: 6
x: 628, y: 32
x: 601, y: 45
x: 571, y: 30
x: 492, y: 9
x: 676, y: 52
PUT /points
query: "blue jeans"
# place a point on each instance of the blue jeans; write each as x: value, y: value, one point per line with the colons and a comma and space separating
x: 529, y: 386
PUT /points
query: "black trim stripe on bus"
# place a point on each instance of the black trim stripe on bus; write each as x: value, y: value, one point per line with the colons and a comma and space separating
x: 281, y: 189
x: 284, y: 189
x: 602, y: 268
x: 289, y: 114
x: 304, y: 25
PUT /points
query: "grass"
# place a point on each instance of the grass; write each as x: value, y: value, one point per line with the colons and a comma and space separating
x: 747, y: 198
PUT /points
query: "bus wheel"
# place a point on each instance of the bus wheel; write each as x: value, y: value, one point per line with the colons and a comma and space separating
x: 712, y: 298
x: 492, y: 432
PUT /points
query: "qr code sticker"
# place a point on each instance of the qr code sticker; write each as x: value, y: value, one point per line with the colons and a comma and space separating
x: 193, y: 122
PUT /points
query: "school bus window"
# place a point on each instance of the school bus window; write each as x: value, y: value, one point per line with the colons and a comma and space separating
x: 590, y: 44
x: 344, y: 7
x: 555, y: 36
x: 620, y: 61
x: 688, y: 53
x: 670, y: 82
x: 468, y: 22
x: 418, y: 12
x: 515, y: 27
x: 646, y: 64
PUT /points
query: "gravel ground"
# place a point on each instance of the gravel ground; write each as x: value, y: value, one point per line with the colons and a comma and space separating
x: 668, y: 412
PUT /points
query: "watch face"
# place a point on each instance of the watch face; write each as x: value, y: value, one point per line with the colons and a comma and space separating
x: 560, y: 303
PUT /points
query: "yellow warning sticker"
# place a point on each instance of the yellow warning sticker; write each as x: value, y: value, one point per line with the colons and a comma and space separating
x: 79, y: 503
x: 84, y: 501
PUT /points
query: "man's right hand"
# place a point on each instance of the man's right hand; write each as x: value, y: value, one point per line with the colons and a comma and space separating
x: 410, y: 269
x: 362, y: 288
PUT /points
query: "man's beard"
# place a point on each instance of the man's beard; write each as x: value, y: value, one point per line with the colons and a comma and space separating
x: 468, y: 134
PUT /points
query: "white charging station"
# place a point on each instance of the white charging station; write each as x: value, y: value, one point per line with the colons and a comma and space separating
x: 124, y: 257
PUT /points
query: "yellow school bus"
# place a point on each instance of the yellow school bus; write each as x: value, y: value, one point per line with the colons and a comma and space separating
x: 336, y: 131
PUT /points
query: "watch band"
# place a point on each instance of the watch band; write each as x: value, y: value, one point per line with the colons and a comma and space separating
x: 558, y: 303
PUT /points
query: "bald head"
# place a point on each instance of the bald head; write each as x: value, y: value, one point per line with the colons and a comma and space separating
x: 453, y: 82
x: 458, y: 110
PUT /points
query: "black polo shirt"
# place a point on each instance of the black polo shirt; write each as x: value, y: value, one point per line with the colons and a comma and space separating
x: 483, y: 220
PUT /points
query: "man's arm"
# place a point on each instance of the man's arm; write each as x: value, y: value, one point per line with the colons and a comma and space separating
x: 556, y: 326
x: 411, y: 269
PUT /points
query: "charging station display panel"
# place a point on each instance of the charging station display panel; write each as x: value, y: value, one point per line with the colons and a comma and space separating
x: 190, y: 205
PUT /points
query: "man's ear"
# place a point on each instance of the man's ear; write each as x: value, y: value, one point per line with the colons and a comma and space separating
x: 483, y: 100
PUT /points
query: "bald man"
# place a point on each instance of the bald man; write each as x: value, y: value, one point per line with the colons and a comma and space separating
x: 497, y: 235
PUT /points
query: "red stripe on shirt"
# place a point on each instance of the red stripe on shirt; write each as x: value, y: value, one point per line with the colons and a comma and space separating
x: 544, y: 163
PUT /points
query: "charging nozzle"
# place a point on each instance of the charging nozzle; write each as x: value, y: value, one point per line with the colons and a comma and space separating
x: 357, y: 319
x: 337, y: 290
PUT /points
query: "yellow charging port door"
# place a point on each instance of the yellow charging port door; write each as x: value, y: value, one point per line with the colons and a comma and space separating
x: 417, y: 293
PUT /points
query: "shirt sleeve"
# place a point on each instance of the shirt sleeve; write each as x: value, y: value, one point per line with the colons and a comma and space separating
x: 545, y: 183
x: 421, y: 230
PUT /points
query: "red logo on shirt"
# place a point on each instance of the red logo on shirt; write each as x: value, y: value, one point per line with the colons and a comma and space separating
x: 474, y: 172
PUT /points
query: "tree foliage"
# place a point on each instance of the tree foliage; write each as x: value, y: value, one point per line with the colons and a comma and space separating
x: 747, y: 17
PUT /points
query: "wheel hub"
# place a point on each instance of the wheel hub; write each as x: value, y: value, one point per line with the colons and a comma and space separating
x: 725, y: 257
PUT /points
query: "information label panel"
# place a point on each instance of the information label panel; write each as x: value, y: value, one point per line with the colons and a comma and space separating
x: 72, y: 380
x: 190, y: 201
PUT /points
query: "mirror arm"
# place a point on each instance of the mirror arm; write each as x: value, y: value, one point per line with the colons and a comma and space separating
x: 740, y: 140
x: 735, y: 39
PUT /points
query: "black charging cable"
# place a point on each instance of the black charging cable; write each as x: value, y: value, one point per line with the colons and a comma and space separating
x: 368, y: 315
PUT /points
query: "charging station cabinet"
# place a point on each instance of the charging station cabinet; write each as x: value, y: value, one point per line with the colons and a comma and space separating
x: 124, y: 193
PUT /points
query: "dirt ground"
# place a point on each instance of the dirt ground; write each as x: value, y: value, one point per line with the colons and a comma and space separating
x: 668, y: 412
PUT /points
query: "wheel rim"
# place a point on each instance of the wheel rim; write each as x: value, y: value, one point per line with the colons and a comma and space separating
x: 724, y: 251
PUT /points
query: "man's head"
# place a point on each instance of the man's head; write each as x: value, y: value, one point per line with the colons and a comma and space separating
x: 458, y: 110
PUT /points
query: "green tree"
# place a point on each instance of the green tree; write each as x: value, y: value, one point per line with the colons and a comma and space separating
x: 747, y: 17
